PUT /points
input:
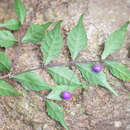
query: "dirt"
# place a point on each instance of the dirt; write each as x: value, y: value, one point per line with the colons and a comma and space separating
x: 92, y: 109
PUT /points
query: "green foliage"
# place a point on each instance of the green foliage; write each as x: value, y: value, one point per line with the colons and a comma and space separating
x: 35, y: 33
x: 114, y: 41
x: 4, y: 62
x: 52, y: 43
x: 20, y: 10
x: 7, y: 39
x: 51, y: 46
x: 55, y: 94
x: 55, y: 112
x: 7, y: 90
x: 95, y: 78
x: 45, y: 26
x: 12, y: 24
x: 63, y: 75
x: 32, y: 81
x: 118, y: 70
x: 66, y: 79
x: 77, y: 39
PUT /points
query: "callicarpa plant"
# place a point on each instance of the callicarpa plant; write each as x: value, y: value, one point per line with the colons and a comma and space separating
x: 51, y: 43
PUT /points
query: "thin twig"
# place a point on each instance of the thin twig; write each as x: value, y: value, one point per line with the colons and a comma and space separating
x: 17, y: 50
x: 71, y: 77
x: 70, y: 63
x: 63, y: 64
x: 5, y: 76
x: 9, y: 75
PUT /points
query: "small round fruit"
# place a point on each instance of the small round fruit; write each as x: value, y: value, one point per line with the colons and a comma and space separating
x: 66, y: 95
x: 97, y: 68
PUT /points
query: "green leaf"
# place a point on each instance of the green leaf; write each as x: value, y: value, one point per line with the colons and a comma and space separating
x: 12, y: 24
x: 77, y: 39
x: 55, y: 112
x: 55, y: 94
x: 118, y: 70
x: 94, y: 77
x: 114, y: 41
x: 32, y: 81
x: 64, y: 76
x: 35, y: 33
x: 45, y: 26
x: 52, y: 43
x: 66, y: 79
x: 7, y: 90
x: 20, y: 10
x: 4, y: 62
x: 7, y: 39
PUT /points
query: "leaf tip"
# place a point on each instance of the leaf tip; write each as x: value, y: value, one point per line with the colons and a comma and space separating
x: 103, y: 57
x: 59, y: 22
x: 82, y: 15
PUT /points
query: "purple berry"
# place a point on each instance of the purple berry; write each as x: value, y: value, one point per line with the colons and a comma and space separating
x: 66, y: 95
x: 97, y: 68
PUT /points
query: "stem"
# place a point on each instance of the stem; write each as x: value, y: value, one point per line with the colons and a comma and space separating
x: 70, y: 63
x: 17, y: 50
x: 5, y: 76
x: 62, y: 64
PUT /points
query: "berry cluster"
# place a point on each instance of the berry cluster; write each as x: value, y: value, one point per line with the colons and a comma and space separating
x: 67, y: 95
x: 97, y: 68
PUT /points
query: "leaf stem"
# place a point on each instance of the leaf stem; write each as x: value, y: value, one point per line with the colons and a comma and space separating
x: 71, y: 63
x: 62, y: 64
x: 17, y: 50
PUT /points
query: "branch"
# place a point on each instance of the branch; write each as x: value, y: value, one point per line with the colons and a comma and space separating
x: 71, y: 63
x: 63, y: 64
x: 17, y: 49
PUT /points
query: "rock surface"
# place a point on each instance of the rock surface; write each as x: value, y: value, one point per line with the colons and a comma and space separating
x: 92, y: 109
